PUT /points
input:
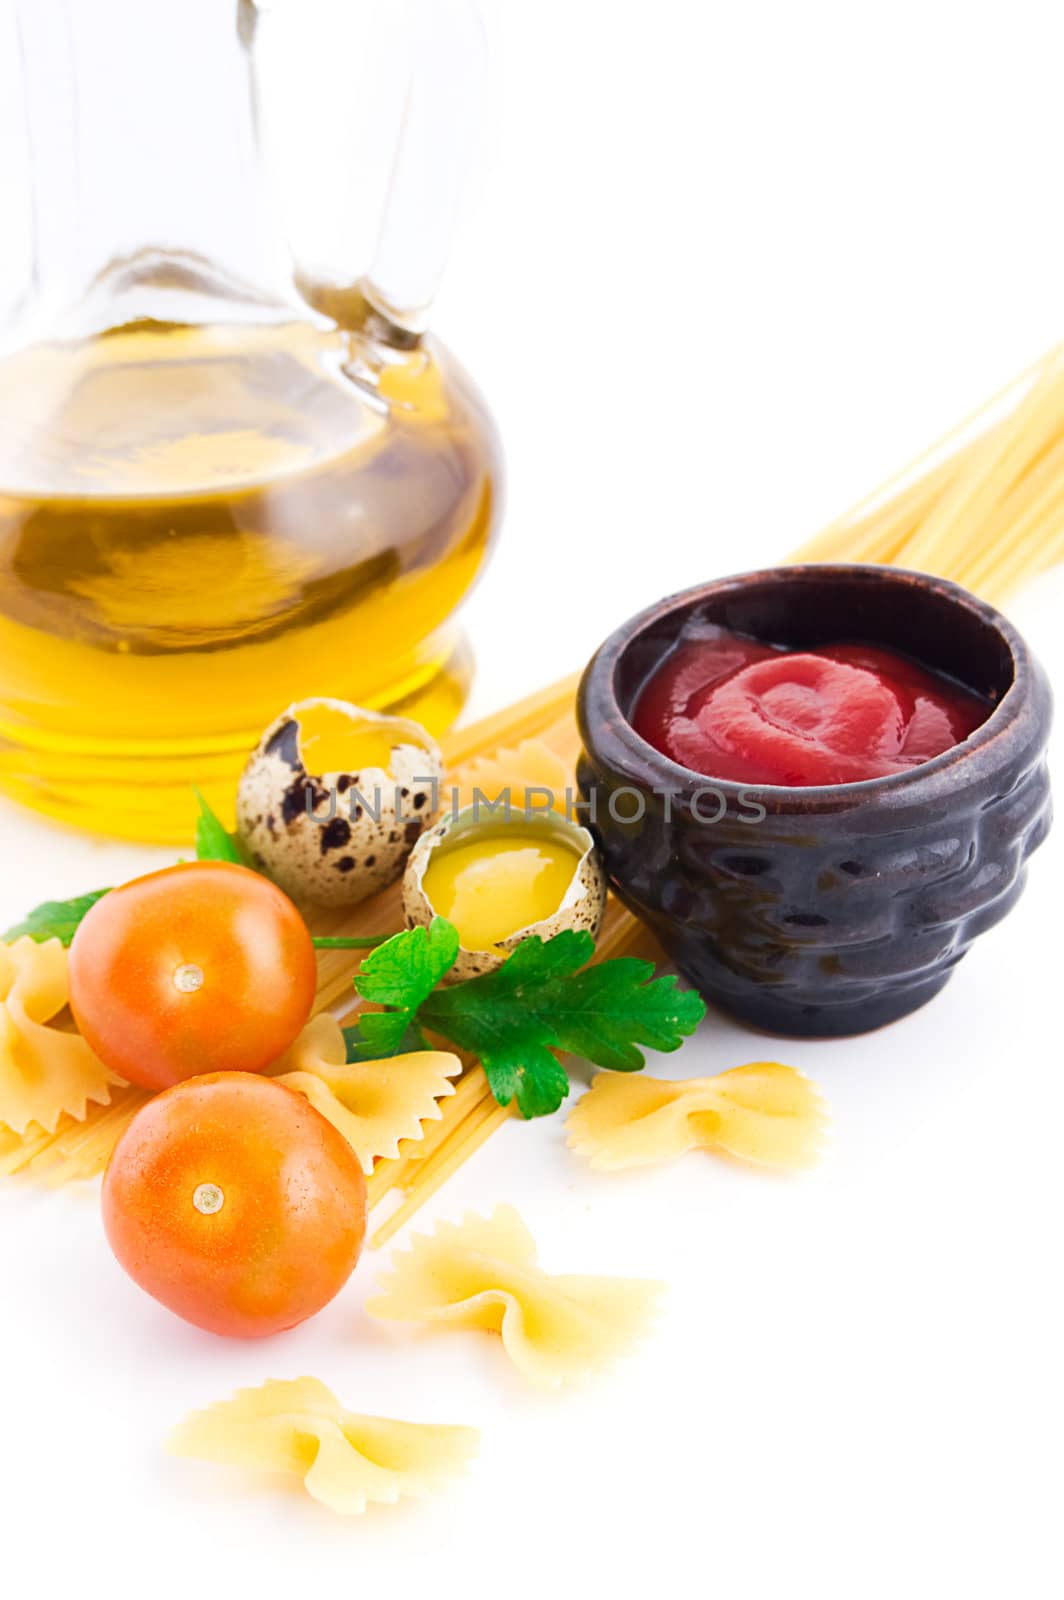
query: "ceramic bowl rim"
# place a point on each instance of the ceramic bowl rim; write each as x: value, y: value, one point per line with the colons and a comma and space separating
x: 616, y: 742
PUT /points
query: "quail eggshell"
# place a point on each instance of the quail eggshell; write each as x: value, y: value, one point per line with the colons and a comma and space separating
x: 583, y: 906
x: 333, y: 839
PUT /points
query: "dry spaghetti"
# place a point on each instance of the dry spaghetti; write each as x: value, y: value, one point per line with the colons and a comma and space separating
x: 984, y: 507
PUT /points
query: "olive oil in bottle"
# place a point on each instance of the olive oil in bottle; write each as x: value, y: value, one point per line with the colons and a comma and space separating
x: 200, y: 524
x: 235, y: 468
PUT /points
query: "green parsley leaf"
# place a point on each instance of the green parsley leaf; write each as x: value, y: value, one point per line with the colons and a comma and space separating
x: 538, y: 1001
x: 527, y: 1070
x: 543, y: 999
x: 213, y: 841
x: 400, y: 974
x: 55, y: 919
x: 406, y: 968
x: 368, y: 1045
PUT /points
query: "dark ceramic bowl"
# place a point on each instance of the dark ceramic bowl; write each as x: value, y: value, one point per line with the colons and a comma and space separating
x: 845, y: 906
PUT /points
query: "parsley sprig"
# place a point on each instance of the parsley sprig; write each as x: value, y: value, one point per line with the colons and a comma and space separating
x: 544, y: 999
x: 54, y: 919
x: 214, y: 842
x: 60, y: 919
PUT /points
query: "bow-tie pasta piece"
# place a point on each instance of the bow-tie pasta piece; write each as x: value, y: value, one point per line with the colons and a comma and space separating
x: 482, y: 1273
x: 346, y: 1460
x: 46, y: 1071
x: 528, y: 766
x: 374, y: 1104
x: 75, y: 1150
x: 764, y: 1113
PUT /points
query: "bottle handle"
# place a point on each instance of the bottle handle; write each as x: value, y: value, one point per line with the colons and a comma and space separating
x: 440, y: 127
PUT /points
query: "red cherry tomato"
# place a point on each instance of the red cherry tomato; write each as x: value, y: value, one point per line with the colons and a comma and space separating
x: 206, y: 967
x: 236, y: 1204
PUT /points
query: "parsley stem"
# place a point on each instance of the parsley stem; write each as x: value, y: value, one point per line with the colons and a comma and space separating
x: 369, y: 943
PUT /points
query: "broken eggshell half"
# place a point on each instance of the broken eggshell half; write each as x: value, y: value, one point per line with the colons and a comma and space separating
x: 334, y: 798
x: 582, y: 905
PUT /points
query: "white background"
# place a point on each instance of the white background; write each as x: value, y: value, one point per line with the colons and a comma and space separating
x: 726, y: 267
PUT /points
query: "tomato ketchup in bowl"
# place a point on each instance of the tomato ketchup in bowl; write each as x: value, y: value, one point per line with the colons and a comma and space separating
x: 817, y: 785
x: 734, y: 707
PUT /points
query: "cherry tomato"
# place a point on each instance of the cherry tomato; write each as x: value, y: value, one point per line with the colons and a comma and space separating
x: 206, y: 967
x: 236, y: 1204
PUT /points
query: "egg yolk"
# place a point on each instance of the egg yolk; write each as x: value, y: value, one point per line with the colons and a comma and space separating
x: 493, y: 886
x: 331, y: 741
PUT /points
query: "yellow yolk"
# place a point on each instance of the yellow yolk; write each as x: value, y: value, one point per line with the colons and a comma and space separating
x: 497, y: 884
x: 329, y: 741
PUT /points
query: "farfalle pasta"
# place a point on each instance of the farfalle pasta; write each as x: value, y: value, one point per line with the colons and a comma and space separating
x: 46, y: 1072
x: 76, y: 1149
x: 346, y: 1461
x: 764, y: 1112
x: 530, y: 773
x: 483, y: 1273
x: 374, y: 1104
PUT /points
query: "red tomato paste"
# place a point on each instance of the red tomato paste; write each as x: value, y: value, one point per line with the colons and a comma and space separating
x: 733, y: 708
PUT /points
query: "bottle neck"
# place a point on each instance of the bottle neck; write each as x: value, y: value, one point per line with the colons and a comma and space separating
x: 149, y: 199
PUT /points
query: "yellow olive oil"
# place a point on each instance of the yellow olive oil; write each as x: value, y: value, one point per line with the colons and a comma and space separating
x: 199, y: 525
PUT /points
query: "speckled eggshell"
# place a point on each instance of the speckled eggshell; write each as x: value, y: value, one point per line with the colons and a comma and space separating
x: 583, y: 906
x: 310, y: 833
